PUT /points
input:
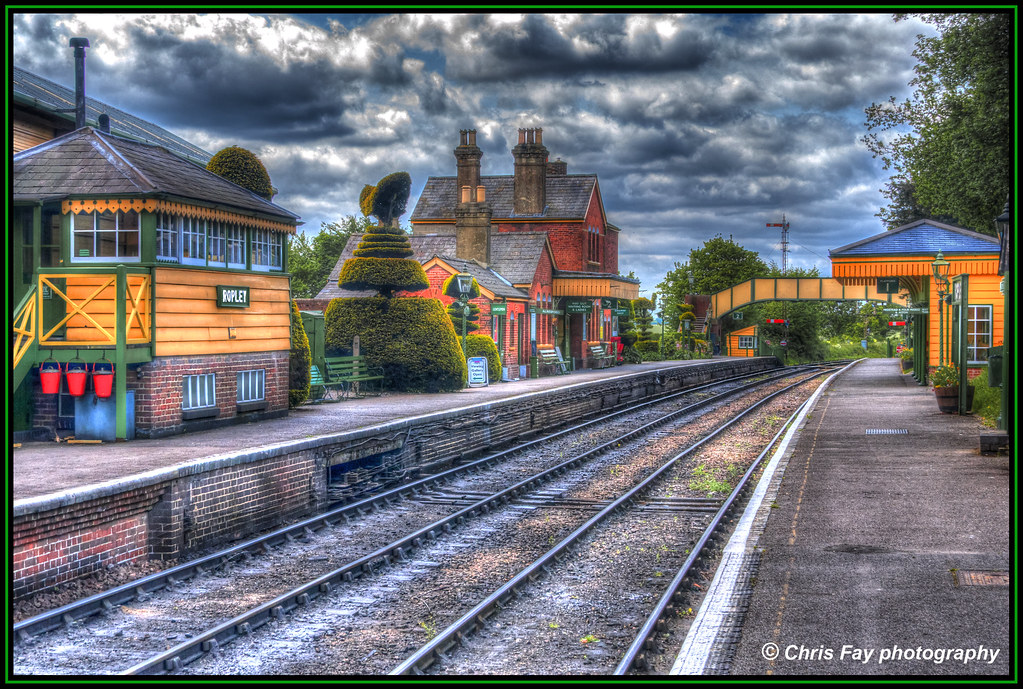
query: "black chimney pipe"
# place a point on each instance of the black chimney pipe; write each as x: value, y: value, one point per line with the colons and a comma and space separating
x: 79, y: 44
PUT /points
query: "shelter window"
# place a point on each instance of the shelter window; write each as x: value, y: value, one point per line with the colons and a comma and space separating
x: 235, y: 246
x: 251, y: 386
x: 747, y: 342
x: 216, y: 246
x: 168, y: 238
x: 199, y: 392
x: 193, y: 241
x: 106, y: 236
x: 978, y: 333
x: 267, y: 250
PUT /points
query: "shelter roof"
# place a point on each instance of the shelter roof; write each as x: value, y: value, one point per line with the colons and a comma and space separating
x: 32, y: 90
x: 88, y: 162
x: 923, y: 237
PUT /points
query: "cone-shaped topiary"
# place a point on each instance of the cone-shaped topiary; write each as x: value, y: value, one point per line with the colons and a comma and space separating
x: 411, y: 339
x: 298, y: 360
x: 483, y: 345
x: 455, y: 310
x: 241, y: 166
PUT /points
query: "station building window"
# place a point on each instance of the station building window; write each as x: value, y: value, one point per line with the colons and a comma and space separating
x: 978, y: 333
x: 747, y: 342
x: 267, y: 250
x: 199, y: 392
x: 251, y: 386
x: 168, y: 238
x: 102, y: 236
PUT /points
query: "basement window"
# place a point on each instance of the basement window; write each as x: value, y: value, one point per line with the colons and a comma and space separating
x: 199, y: 396
x: 251, y: 390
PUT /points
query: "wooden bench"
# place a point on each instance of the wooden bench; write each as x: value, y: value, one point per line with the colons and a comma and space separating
x: 322, y: 390
x: 551, y: 357
x: 599, y: 355
x: 353, y: 374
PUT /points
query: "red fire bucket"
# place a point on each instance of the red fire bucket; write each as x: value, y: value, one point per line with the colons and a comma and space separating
x: 49, y: 376
x: 103, y: 378
x: 76, y: 373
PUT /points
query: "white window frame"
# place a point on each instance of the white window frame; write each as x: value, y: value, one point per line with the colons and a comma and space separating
x: 193, y: 240
x: 168, y: 238
x: 251, y: 386
x: 216, y: 243
x: 235, y: 246
x: 747, y: 341
x: 197, y: 389
x: 267, y: 250
x: 117, y: 231
x: 972, y: 336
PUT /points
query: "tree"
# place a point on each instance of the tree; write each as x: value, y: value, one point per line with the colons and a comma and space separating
x: 722, y: 263
x: 644, y: 310
x: 242, y: 167
x: 298, y: 360
x: 311, y: 261
x: 952, y: 151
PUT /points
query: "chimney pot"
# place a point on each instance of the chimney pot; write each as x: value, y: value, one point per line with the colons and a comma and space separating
x: 79, y: 44
x: 104, y: 123
x: 481, y: 194
x: 465, y: 194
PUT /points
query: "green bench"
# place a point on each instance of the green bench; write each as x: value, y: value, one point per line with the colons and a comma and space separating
x: 599, y: 355
x: 321, y: 389
x: 551, y: 357
x: 354, y: 375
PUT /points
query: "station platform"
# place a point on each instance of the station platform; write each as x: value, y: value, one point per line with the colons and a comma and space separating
x: 881, y: 547
x: 44, y: 468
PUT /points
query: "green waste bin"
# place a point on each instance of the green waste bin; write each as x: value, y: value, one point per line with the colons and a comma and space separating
x: 994, y: 367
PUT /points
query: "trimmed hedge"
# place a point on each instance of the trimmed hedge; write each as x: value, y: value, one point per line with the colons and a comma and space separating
x: 241, y: 166
x: 478, y: 344
x: 410, y: 338
x: 298, y: 360
x: 383, y: 274
x: 648, y: 346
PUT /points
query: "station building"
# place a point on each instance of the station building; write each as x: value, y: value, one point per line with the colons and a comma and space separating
x: 128, y: 252
x: 537, y: 241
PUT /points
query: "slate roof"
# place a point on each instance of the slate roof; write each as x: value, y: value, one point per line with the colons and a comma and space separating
x: 89, y: 162
x: 568, y: 196
x: 921, y: 237
x: 514, y: 259
x: 34, y: 91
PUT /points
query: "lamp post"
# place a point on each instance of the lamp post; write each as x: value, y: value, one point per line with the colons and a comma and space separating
x: 464, y: 281
x: 940, y: 268
x: 1004, y: 224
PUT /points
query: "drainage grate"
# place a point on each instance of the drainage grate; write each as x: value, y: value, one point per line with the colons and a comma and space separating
x: 887, y: 431
x: 966, y: 577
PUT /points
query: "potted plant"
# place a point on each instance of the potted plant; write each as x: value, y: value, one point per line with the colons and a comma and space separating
x: 906, y: 359
x: 945, y: 381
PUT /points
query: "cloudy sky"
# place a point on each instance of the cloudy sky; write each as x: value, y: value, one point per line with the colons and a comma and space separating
x: 696, y: 124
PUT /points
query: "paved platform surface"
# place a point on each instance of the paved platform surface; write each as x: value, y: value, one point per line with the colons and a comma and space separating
x: 42, y: 468
x: 882, y: 554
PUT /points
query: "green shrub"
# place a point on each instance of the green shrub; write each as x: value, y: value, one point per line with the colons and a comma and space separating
x: 410, y: 338
x: 449, y: 288
x: 242, y: 167
x: 455, y: 313
x: 987, y: 401
x: 385, y: 275
x: 484, y: 345
x: 648, y: 347
x: 298, y: 360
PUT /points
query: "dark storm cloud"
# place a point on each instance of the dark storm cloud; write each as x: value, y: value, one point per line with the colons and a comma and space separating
x: 536, y: 49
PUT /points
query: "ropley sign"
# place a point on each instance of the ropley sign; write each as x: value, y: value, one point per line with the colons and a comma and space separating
x: 234, y: 297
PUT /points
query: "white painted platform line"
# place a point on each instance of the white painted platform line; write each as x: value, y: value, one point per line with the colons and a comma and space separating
x: 706, y: 630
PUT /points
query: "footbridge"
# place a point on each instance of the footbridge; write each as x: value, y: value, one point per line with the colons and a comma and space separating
x: 796, y: 289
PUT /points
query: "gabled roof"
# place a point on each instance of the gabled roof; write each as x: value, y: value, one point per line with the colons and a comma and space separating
x: 33, y: 91
x: 568, y: 197
x: 87, y: 162
x: 514, y: 257
x: 920, y: 237
x: 487, y: 278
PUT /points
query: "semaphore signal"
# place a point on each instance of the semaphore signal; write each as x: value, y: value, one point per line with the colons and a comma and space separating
x: 784, y: 243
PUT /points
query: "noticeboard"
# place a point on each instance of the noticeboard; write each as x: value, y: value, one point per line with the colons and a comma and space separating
x: 478, y: 373
x: 888, y: 285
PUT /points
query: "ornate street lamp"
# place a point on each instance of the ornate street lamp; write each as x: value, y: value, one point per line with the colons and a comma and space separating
x: 1004, y: 224
x: 940, y: 268
x: 464, y: 282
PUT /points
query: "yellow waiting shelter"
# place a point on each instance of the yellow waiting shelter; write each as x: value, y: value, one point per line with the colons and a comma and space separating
x: 949, y: 276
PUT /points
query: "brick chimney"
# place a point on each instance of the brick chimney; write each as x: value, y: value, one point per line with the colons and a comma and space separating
x: 472, y: 212
x: 557, y: 167
x: 530, y: 173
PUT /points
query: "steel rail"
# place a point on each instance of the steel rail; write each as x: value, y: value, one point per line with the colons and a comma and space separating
x: 477, y: 616
x: 208, y: 641
x: 125, y: 593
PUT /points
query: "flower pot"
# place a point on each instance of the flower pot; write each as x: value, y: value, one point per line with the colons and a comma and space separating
x: 907, y: 364
x: 948, y: 399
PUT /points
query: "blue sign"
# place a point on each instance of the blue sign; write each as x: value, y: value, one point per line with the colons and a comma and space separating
x: 478, y: 372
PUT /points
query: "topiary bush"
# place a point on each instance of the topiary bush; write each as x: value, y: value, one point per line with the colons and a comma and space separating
x: 648, y: 346
x: 298, y: 360
x: 483, y: 345
x: 385, y: 275
x: 410, y: 338
x: 242, y: 167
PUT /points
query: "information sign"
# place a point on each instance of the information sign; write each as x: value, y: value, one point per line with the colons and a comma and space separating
x: 234, y: 297
x: 888, y: 285
x: 478, y: 372
x: 579, y: 306
x: 498, y: 309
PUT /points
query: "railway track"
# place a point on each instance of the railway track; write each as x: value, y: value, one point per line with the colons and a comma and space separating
x: 165, y: 622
